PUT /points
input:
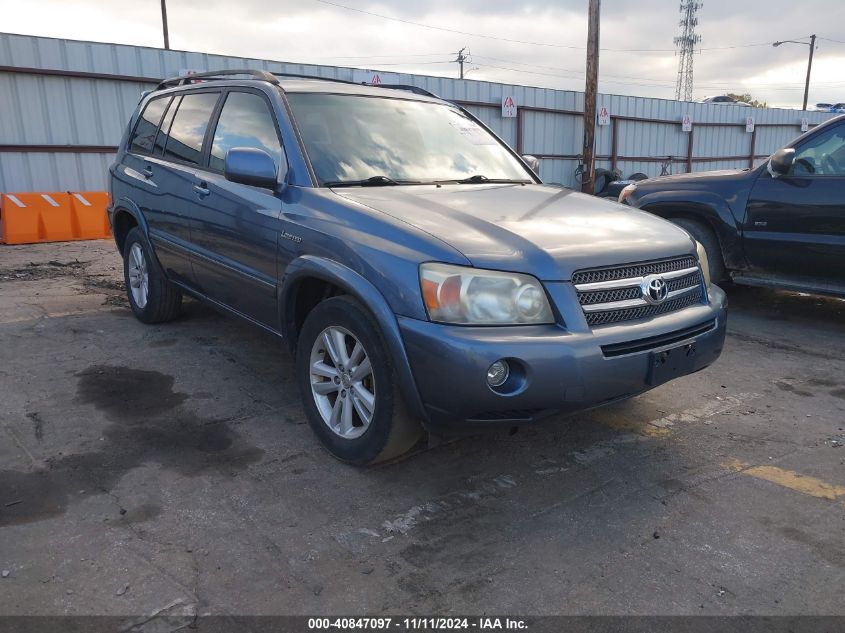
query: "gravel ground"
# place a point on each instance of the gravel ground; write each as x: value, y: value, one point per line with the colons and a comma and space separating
x: 168, y: 470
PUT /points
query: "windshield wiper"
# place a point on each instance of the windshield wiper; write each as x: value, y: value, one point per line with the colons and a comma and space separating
x: 482, y: 179
x: 374, y: 181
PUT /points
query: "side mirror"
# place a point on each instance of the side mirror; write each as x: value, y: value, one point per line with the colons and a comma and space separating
x: 250, y: 166
x: 781, y: 162
x: 533, y: 163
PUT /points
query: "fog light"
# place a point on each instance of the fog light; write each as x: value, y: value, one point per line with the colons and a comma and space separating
x: 498, y: 373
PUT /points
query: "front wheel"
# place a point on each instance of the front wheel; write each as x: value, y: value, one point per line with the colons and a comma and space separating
x: 348, y: 385
x: 705, y: 236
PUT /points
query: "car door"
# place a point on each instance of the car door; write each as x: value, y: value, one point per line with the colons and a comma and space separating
x: 795, y: 223
x: 152, y: 186
x: 235, y: 231
x: 174, y: 162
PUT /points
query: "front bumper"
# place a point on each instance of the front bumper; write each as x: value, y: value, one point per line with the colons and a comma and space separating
x: 559, y: 370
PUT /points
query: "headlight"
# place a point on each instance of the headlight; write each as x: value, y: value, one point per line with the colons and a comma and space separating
x: 704, y: 262
x: 457, y: 294
x: 626, y: 192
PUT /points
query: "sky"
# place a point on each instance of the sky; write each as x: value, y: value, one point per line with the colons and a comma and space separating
x: 536, y: 43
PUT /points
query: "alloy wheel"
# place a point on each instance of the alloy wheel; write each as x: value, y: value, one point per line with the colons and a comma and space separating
x: 139, y: 277
x: 342, y: 382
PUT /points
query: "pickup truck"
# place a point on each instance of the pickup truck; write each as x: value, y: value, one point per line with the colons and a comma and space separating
x: 781, y: 224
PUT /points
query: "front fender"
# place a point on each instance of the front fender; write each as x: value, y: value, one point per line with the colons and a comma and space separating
x: 706, y: 206
x: 309, y: 266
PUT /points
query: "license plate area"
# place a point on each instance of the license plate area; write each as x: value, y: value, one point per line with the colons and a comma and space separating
x: 664, y: 365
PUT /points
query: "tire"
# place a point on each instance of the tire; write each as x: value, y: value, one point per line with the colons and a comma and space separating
x: 156, y: 300
x: 602, y: 178
x: 638, y: 176
x: 705, y: 236
x: 390, y: 431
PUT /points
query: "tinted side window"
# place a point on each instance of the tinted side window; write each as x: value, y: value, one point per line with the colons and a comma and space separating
x: 164, y: 128
x: 188, y: 128
x: 245, y: 121
x: 823, y: 154
x: 145, y: 130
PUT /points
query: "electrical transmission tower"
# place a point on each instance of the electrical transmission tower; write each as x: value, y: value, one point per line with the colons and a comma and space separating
x: 686, y: 42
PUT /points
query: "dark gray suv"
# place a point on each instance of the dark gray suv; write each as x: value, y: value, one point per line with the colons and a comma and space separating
x: 419, y: 271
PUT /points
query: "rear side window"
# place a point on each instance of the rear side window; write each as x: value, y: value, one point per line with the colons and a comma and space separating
x: 187, y: 131
x: 145, y: 129
x: 164, y: 129
x: 245, y: 121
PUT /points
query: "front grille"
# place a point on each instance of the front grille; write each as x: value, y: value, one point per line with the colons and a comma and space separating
x: 608, y: 296
x: 612, y: 273
x: 687, y: 281
x: 631, y: 314
x: 612, y: 294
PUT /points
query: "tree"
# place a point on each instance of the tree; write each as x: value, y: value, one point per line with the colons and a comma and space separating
x: 747, y: 98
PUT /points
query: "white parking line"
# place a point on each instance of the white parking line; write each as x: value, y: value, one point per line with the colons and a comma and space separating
x: 703, y: 414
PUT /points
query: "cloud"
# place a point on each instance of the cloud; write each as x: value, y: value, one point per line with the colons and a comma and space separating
x: 308, y: 31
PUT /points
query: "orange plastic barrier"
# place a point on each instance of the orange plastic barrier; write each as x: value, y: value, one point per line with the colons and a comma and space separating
x: 27, y: 218
x: 89, y: 218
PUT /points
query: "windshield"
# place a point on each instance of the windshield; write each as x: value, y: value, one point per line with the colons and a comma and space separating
x: 353, y: 139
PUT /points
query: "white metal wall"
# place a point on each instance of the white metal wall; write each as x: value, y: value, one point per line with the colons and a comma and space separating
x: 49, y: 110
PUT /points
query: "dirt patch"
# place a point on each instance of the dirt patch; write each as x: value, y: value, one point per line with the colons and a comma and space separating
x: 149, y: 423
x: 109, y: 284
x: 128, y: 394
x: 45, y: 270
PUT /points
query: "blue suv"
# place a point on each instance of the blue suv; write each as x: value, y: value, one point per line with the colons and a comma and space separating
x: 422, y: 275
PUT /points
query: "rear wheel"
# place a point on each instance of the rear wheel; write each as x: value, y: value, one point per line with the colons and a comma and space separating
x: 705, y: 236
x: 348, y: 385
x: 152, y: 297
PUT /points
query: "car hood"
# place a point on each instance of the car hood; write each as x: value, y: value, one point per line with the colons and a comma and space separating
x: 542, y: 230
x: 697, y: 177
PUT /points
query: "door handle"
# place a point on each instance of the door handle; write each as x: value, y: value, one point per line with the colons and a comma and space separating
x: 148, y: 172
x: 201, y: 190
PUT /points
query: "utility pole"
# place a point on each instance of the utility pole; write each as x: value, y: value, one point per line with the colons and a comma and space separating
x: 812, y: 44
x: 809, y: 69
x: 164, y: 24
x: 460, y: 59
x: 590, y: 96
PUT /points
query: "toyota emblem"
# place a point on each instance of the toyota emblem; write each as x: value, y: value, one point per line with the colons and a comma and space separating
x: 654, y: 289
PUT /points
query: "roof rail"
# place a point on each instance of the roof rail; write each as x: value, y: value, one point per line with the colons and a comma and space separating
x: 272, y: 77
x: 216, y: 74
x: 409, y: 88
x: 301, y: 76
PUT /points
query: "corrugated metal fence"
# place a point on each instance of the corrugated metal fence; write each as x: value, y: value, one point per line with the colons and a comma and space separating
x: 64, y: 104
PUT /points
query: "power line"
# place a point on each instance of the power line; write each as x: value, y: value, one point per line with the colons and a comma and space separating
x: 443, y: 28
x: 385, y: 56
x: 666, y: 84
x: 447, y: 61
x: 608, y: 78
x: 601, y: 79
x: 571, y: 72
x: 526, y: 42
